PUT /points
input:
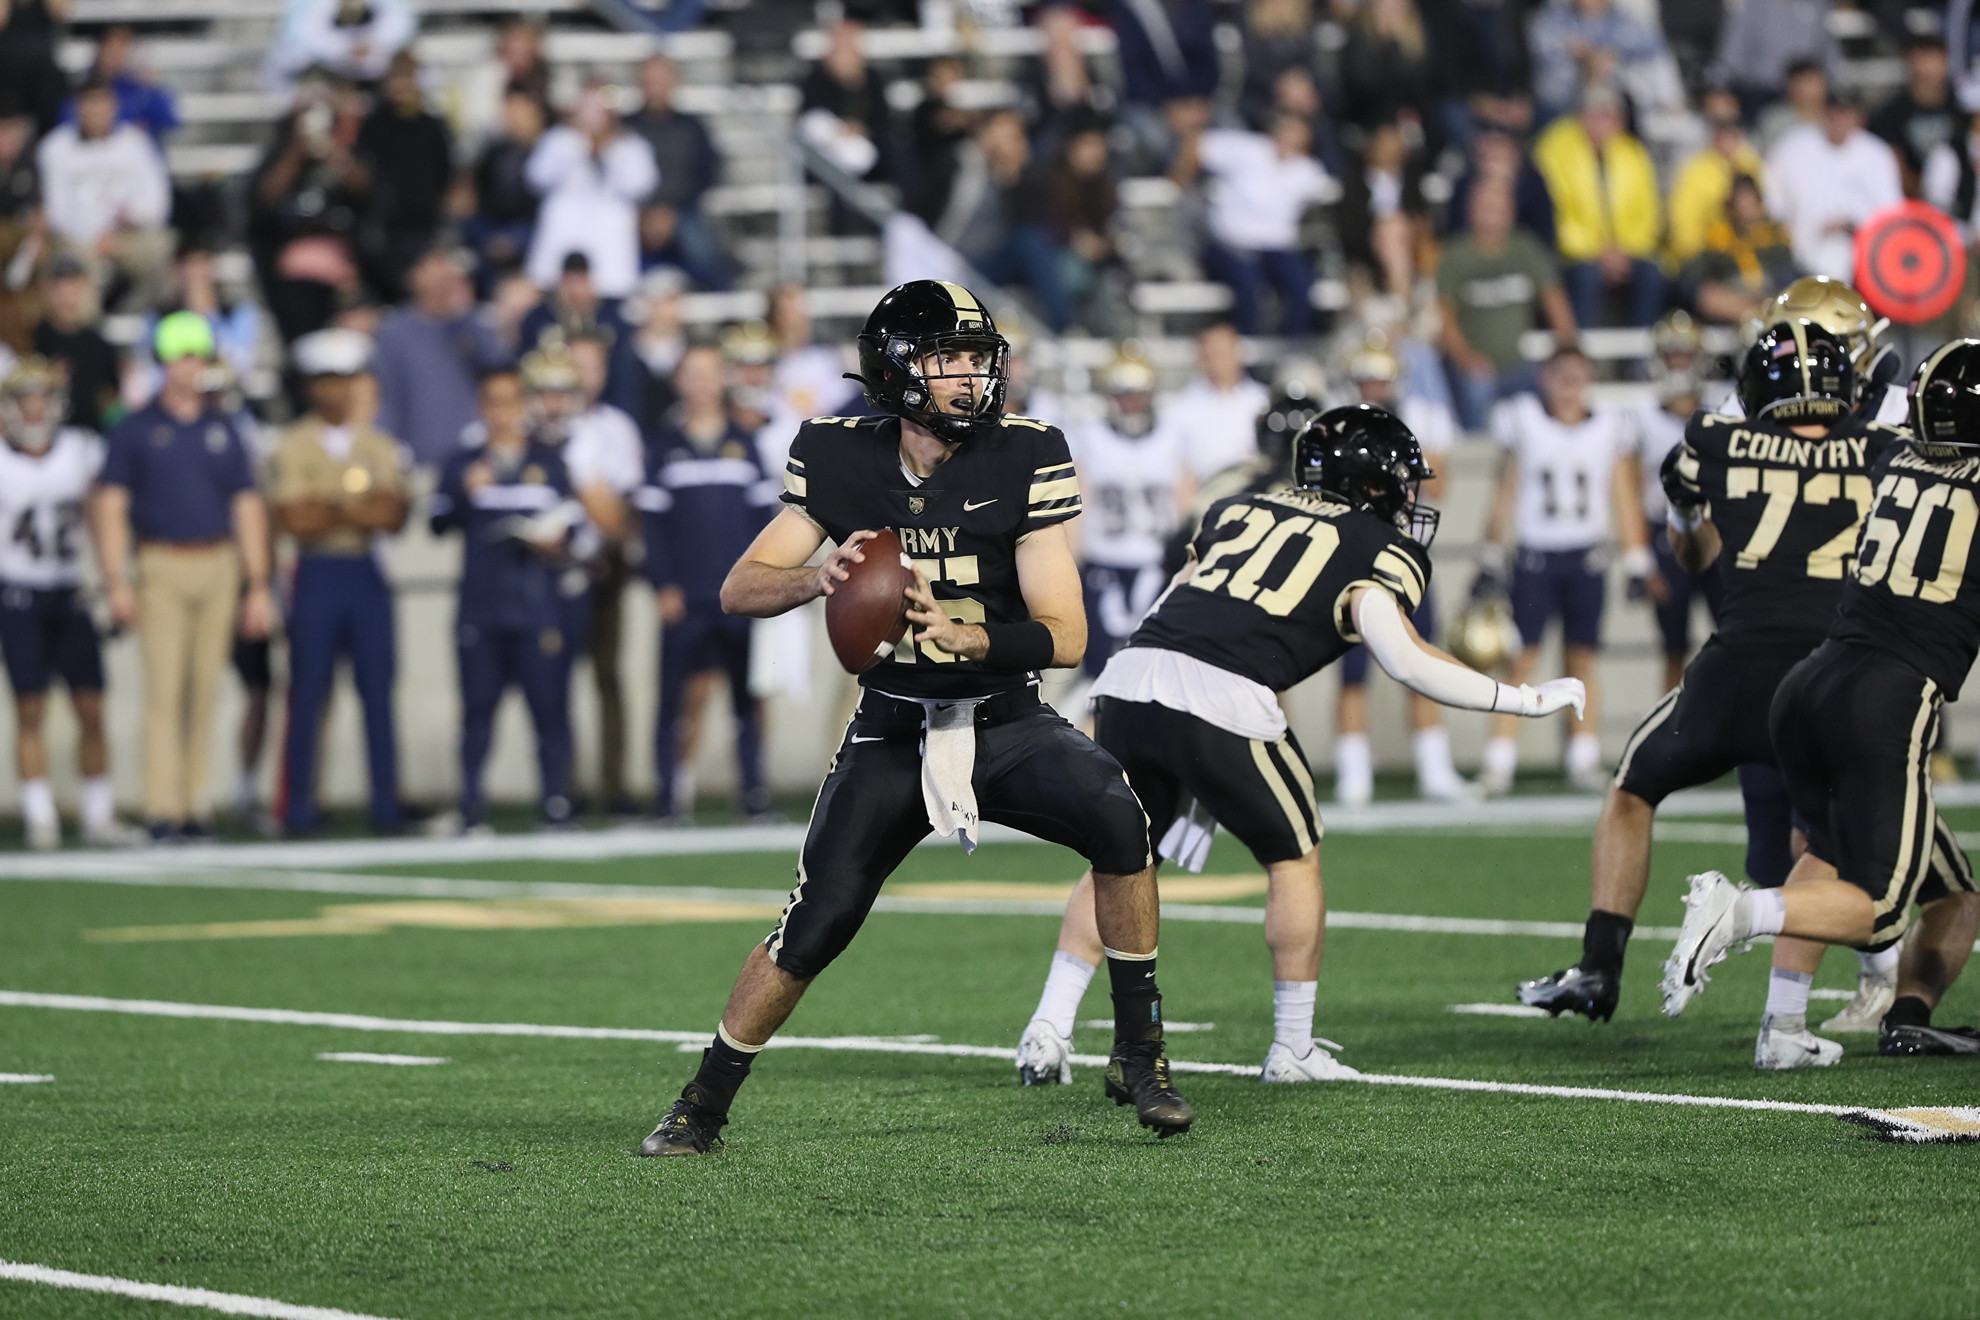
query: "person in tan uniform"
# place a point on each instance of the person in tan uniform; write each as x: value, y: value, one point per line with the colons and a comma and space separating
x: 178, y: 481
x: 338, y: 484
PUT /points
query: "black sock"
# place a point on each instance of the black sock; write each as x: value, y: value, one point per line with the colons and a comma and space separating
x: 1137, y: 1003
x: 1603, y: 941
x: 1909, y: 1011
x: 723, y: 1068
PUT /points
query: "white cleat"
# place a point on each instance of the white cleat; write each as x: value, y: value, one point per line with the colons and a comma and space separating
x: 1493, y: 783
x: 1792, y: 1045
x: 1704, y: 940
x: 1316, y: 1065
x: 1589, y: 779
x: 44, y: 835
x: 1874, y: 997
x: 1044, y: 1057
x: 1352, y: 792
x: 114, y: 834
x: 1445, y: 788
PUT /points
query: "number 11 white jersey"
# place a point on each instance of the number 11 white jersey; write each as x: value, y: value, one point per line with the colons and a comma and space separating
x: 1564, y: 472
x: 42, y: 499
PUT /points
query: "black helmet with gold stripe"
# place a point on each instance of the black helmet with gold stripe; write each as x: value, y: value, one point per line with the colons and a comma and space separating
x: 1945, y: 401
x: 927, y: 330
x: 1797, y: 373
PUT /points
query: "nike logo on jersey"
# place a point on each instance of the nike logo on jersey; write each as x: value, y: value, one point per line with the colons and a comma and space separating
x: 856, y: 738
x: 972, y: 508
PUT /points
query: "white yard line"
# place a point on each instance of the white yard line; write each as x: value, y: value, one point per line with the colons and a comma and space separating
x: 861, y: 1044
x: 226, y: 1303
x: 25, y: 1079
x: 396, y: 1060
x: 1501, y: 1010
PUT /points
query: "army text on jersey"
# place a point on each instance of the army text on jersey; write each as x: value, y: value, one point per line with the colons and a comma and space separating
x: 1787, y: 509
x: 1914, y: 593
x: 1268, y: 599
x: 961, y: 526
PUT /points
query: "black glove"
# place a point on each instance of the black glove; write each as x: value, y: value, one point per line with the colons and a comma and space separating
x: 1679, y: 475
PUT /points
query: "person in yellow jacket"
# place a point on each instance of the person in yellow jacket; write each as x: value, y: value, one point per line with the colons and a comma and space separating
x: 1704, y: 182
x: 1608, y: 214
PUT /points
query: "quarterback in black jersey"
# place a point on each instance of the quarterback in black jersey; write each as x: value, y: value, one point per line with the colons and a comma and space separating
x: 1774, y: 499
x: 1280, y: 582
x: 1854, y: 724
x: 949, y: 727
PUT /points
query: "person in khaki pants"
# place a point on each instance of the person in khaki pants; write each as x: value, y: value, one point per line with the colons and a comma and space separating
x: 178, y: 481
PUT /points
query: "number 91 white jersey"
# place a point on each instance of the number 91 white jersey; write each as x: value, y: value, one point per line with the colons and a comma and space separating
x: 1130, y: 491
x: 1564, y: 472
x: 42, y: 510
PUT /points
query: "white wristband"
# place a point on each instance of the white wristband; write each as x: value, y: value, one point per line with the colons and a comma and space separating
x: 1510, y: 700
x: 1638, y: 562
x: 1685, y: 521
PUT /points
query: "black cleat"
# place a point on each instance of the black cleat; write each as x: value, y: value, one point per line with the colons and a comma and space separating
x: 1908, y: 1041
x: 690, y: 1127
x: 1576, y: 989
x: 1138, y: 1075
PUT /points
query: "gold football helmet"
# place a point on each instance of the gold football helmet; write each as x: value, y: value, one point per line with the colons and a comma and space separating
x: 1482, y: 634
x: 33, y: 377
x: 1128, y: 385
x: 1834, y: 306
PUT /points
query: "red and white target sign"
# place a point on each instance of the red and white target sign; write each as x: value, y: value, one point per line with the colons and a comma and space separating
x: 1910, y: 262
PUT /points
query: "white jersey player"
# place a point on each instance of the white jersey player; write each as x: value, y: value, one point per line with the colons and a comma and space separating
x: 46, y: 472
x: 1676, y: 364
x: 1130, y: 475
x: 1569, y: 481
x: 1378, y: 375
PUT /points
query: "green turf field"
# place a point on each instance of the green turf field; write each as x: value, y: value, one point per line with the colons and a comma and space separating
x: 225, y: 1155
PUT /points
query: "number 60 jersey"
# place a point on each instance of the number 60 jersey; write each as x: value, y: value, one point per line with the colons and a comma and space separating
x: 1915, y: 592
x: 1269, y: 595
x: 1787, y: 509
x: 42, y: 531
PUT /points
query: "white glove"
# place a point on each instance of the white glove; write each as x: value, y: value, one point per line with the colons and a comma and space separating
x: 1552, y: 695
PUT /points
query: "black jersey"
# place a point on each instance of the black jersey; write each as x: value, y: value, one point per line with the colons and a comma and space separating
x: 1787, y: 510
x: 1915, y: 592
x: 961, y: 526
x: 1269, y: 597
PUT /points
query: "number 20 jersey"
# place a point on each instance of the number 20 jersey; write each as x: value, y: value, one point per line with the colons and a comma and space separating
x: 1787, y: 509
x: 42, y: 532
x: 1269, y: 596
x: 1914, y: 592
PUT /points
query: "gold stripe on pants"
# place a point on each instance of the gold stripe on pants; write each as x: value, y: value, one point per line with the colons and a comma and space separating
x: 187, y: 601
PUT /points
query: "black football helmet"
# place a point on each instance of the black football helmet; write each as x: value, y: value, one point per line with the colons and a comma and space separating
x: 1796, y: 373
x: 1365, y: 457
x: 924, y: 317
x: 1945, y: 401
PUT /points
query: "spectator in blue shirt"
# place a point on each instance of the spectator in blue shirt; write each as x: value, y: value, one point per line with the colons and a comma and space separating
x: 510, y: 499
x: 706, y: 497
x: 177, y: 481
x: 430, y: 353
x: 1582, y: 43
x: 140, y: 100
x: 573, y: 308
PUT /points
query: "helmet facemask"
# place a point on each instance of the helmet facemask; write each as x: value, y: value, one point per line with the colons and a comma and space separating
x: 32, y: 434
x: 983, y: 385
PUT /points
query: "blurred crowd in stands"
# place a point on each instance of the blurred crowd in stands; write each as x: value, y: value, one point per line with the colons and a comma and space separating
x: 504, y: 283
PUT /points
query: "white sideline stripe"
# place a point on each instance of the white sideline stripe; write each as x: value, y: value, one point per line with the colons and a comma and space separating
x: 864, y: 1044
x: 1501, y: 1010
x: 227, y: 1303
x: 1501, y: 814
x: 425, y: 886
x: 399, y: 1060
x: 26, y: 1078
x: 1832, y: 994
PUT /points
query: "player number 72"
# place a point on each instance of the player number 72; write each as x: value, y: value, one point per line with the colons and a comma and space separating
x: 1783, y: 488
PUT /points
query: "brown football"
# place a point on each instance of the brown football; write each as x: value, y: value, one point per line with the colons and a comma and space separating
x: 867, y: 613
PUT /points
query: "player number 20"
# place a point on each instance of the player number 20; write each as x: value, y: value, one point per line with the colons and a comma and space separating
x: 1783, y: 490
x: 1237, y: 566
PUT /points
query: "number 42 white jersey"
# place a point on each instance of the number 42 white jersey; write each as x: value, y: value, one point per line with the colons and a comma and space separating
x: 42, y: 509
x: 1565, y: 472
